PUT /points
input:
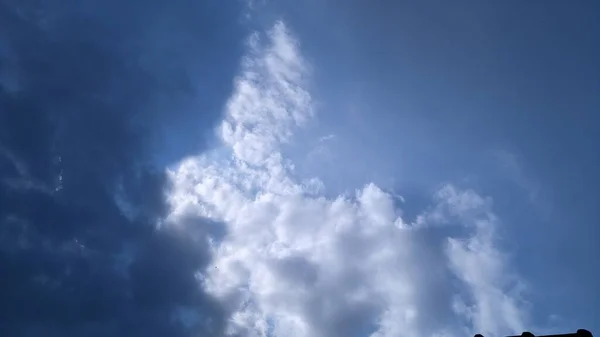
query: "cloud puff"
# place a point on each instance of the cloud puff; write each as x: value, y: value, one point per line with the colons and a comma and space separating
x: 295, y: 263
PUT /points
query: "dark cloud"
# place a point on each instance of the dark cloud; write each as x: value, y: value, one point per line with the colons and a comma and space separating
x: 83, y: 87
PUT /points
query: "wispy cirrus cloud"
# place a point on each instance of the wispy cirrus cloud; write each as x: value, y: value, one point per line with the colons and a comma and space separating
x: 296, y: 263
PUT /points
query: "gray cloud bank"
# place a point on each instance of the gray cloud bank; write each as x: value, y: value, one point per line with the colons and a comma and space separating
x: 80, y: 199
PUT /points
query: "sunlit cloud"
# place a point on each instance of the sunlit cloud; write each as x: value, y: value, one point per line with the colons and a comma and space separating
x: 297, y: 263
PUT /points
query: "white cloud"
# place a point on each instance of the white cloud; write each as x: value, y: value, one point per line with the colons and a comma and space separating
x: 478, y: 262
x: 294, y: 263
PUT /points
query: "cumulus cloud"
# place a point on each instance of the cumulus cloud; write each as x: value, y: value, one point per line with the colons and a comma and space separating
x: 296, y: 263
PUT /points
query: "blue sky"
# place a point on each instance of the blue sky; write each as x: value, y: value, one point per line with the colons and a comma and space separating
x: 299, y: 168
